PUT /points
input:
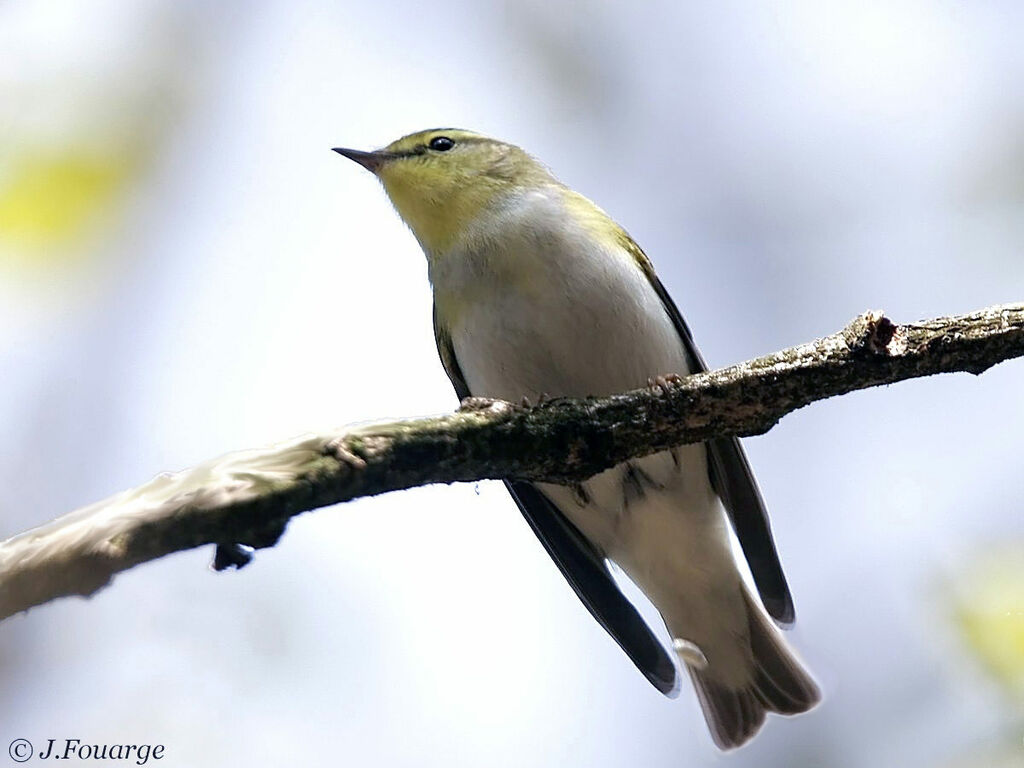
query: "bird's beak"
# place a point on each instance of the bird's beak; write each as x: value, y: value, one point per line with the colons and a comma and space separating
x: 371, y: 161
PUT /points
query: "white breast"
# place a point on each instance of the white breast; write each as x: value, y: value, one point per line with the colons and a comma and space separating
x: 586, y: 321
x: 551, y: 310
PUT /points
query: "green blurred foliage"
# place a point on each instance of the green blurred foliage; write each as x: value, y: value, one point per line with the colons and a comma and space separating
x: 56, y: 197
x: 990, y: 615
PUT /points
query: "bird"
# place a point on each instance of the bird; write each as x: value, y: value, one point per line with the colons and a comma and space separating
x: 538, y: 293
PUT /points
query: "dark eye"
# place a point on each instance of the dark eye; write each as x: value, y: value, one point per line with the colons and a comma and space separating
x: 441, y: 143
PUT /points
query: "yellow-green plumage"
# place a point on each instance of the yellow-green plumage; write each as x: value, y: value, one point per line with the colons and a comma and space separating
x: 538, y: 291
x: 438, y: 194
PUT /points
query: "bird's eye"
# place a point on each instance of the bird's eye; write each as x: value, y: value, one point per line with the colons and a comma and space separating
x: 441, y: 143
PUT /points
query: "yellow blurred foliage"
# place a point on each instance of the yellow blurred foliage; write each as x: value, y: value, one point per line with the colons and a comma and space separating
x: 58, y: 197
x: 990, y: 614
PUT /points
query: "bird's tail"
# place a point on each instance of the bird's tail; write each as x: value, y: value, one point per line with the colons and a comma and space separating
x: 777, y: 682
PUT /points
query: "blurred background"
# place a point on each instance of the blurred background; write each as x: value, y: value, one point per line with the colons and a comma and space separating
x: 186, y: 269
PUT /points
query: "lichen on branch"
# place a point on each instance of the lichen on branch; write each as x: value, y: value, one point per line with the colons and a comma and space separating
x: 250, y: 496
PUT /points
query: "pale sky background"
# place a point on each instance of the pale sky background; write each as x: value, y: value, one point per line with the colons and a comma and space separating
x: 785, y: 165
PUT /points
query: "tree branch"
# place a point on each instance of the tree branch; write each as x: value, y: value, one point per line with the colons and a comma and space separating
x: 250, y: 496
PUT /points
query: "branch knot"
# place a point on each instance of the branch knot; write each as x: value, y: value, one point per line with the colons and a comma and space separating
x: 870, y: 333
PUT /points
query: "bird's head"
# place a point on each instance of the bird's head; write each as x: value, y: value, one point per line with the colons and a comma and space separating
x: 443, y: 180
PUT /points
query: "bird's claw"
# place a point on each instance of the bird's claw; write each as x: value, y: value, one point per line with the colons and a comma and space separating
x: 339, y: 450
x: 542, y: 398
x: 662, y: 385
x: 475, y: 403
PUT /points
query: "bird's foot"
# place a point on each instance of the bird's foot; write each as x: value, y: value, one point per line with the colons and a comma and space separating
x: 544, y: 397
x: 662, y: 385
x: 476, y: 404
x: 339, y: 450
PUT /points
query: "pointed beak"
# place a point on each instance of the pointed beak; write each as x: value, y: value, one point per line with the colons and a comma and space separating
x: 371, y: 161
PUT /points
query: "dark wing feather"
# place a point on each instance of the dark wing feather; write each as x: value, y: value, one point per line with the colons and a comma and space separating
x: 735, y: 485
x: 582, y: 565
x: 585, y: 570
x: 446, y: 352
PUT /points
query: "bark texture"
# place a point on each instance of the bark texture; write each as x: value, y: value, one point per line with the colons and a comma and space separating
x: 249, y: 496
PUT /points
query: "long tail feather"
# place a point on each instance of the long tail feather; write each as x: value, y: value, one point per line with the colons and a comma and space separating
x: 777, y: 683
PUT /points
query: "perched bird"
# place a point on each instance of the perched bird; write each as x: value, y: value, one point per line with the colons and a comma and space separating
x: 538, y: 293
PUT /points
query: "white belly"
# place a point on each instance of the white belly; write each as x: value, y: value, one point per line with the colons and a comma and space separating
x: 588, y: 322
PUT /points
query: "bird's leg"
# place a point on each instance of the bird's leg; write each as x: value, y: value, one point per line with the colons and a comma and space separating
x: 341, y: 452
x: 476, y: 403
x: 542, y: 398
x: 662, y: 385
x: 238, y: 555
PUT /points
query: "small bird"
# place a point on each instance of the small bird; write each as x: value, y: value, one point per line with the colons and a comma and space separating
x: 539, y: 293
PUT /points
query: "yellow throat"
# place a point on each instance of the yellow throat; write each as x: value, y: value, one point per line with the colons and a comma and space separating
x: 441, y: 180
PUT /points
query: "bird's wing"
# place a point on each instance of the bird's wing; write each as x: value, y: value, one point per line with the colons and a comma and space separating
x: 446, y: 351
x: 731, y: 477
x: 579, y: 561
